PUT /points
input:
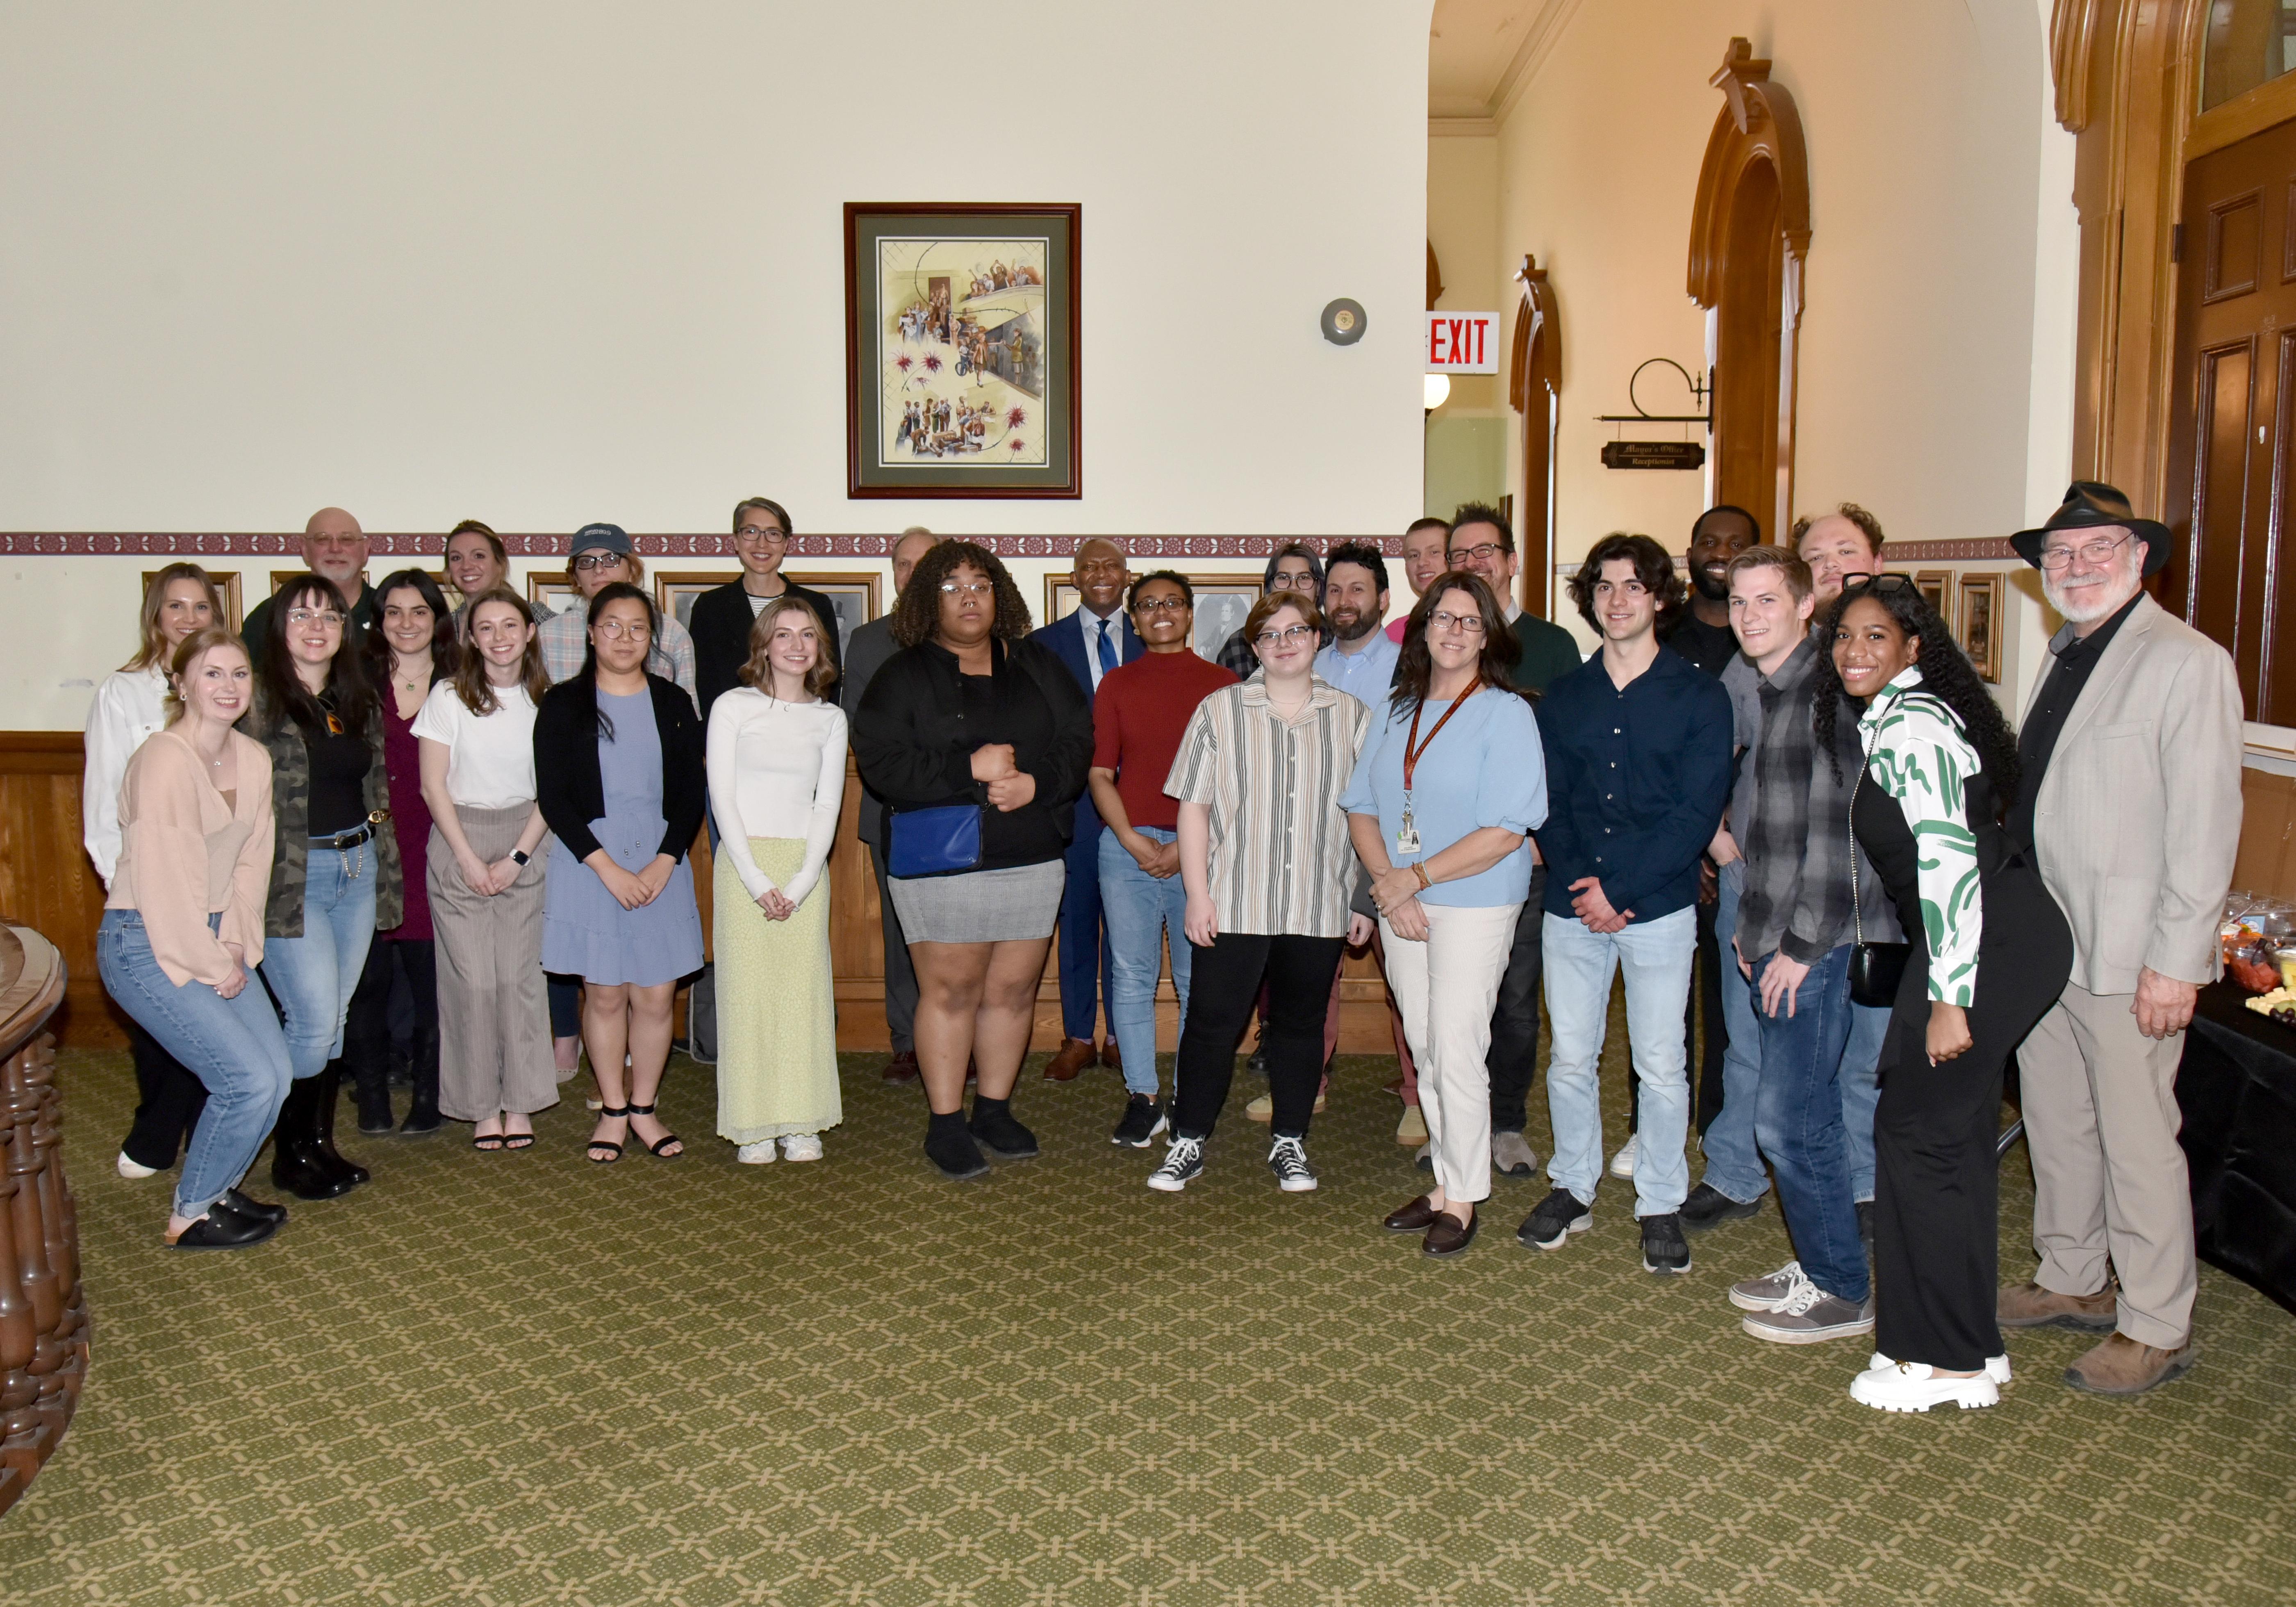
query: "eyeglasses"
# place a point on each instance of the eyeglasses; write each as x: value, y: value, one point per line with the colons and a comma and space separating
x: 1161, y: 605
x: 1292, y: 582
x: 618, y: 630
x: 1284, y: 637
x: 967, y: 587
x: 325, y: 616
x: 2056, y: 560
x: 1443, y: 619
x: 762, y: 533
x: 597, y: 560
x: 1484, y: 554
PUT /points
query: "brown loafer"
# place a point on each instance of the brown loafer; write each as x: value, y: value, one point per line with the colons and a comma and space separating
x: 1413, y: 1219
x: 1447, y: 1237
x: 2122, y: 1366
x: 1111, y: 1056
x: 2029, y: 1306
x: 902, y: 1068
x: 1075, y: 1055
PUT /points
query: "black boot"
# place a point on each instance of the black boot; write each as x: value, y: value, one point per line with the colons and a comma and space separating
x: 423, y: 1113
x: 369, y: 1068
x: 295, y: 1165
x: 329, y: 1082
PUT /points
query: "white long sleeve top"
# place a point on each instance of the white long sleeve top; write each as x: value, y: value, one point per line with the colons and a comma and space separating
x: 131, y: 706
x: 776, y: 770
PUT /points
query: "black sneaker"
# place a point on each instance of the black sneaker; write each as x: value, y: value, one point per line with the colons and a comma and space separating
x: 1559, y: 1215
x: 1865, y: 1224
x: 1144, y: 1119
x: 1708, y: 1206
x: 949, y: 1147
x: 1258, y: 1064
x: 1002, y: 1136
x: 1664, y: 1248
x: 1287, y: 1158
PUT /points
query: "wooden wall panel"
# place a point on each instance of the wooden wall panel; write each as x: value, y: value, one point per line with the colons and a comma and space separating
x: 2266, y: 862
x: 45, y: 880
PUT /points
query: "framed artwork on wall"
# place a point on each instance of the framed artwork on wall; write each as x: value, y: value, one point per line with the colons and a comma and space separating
x: 226, y: 583
x: 551, y: 592
x: 1936, y: 587
x: 674, y: 592
x: 854, y: 597
x: 1222, y: 602
x: 1978, y: 631
x: 960, y: 371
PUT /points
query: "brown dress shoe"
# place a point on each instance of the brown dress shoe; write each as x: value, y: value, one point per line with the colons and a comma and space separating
x: 2029, y: 1306
x: 1447, y: 1237
x: 902, y: 1068
x: 1113, y: 1057
x: 1075, y: 1055
x: 1411, y: 1218
x: 2122, y: 1366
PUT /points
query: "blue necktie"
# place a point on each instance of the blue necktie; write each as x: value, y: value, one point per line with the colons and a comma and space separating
x: 1103, y: 650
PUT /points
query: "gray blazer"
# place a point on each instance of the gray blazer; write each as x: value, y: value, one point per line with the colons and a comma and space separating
x: 2137, y: 820
x: 865, y: 654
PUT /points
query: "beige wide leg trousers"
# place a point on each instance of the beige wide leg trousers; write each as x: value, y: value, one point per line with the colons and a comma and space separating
x: 1445, y: 988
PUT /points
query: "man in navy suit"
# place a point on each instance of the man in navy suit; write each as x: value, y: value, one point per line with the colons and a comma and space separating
x: 1091, y: 641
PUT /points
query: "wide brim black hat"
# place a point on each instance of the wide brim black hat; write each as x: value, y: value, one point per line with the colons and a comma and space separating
x: 2091, y: 505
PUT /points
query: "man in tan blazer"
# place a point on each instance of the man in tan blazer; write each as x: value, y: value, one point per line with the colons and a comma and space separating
x: 2131, y: 754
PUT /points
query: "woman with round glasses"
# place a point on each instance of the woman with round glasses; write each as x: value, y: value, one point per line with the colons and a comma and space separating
x: 979, y: 739
x: 618, y: 766
x: 1270, y: 875
x: 1440, y: 808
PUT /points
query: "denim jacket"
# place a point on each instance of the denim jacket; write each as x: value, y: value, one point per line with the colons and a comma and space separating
x: 291, y: 811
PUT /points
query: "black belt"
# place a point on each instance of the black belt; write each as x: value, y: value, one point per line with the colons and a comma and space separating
x: 347, y: 839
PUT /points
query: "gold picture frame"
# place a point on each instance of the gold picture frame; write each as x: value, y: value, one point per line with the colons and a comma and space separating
x: 227, y: 581
x: 852, y: 595
x: 1222, y: 602
x: 1978, y: 630
x: 1936, y: 587
x: 550, y: 591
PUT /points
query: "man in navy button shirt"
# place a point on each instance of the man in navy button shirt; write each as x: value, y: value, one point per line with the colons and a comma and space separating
x: 1637, y: 745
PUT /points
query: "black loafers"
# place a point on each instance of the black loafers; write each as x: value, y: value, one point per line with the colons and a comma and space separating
x: 1446, y: 1237
x: 254, y: 1210
x: 1415, y: 1217
x: 225, y: 1230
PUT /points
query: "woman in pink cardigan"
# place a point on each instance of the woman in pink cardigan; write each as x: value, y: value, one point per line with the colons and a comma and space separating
x: 182, y: 930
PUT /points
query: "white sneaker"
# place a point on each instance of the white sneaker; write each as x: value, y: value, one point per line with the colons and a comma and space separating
x: 129, y: 1169
x: 1996, y: 1367
x: 801, y: 1146
x: 1916, y: 1387
x: 759, y: 1154
x: 1622, y: 1164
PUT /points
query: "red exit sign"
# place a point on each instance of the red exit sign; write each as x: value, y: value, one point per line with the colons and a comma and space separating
x: 1463, y: 342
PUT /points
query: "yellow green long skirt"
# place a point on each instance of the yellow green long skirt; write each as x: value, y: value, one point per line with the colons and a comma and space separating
x: 776, y: 1020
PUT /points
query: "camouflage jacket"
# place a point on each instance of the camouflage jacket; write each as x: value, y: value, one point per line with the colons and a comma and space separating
x: 290, y: 809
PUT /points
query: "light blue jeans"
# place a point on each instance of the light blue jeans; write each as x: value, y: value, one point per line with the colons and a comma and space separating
x: 313, y: 976
x: 1138, y: 910
x: 233, y: 1046
x: 1733, y: 1162
x: 1656, y: 957
x: 1861, y: 1064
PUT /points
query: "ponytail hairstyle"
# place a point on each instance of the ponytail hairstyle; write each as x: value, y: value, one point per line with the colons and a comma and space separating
x: 187, y: 654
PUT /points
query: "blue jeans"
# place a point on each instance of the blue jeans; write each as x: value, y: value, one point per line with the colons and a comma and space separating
x: 233, y: 1046
x: 1733, y: 1164
x: 314, y: 976
x: 1861, y: 1092
x: 1655, y: 956
x: 1085, y: 952
x: 1139, y: 910
x: 1797, y: 1121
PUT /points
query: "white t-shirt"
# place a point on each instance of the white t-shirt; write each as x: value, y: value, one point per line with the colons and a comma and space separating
x: 776, y: 770
x: 490, y: 762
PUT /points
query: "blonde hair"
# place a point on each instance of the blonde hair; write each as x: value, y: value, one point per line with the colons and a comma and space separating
x: 204, y: 640
x: 154, y: 645
x: 758, y: 672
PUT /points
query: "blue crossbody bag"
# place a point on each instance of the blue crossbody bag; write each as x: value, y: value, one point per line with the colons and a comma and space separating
x: 935, y: 842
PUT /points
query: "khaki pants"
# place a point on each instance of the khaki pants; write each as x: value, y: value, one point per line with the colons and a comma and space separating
x: 1445, y: 988
x: 2108, y: 1177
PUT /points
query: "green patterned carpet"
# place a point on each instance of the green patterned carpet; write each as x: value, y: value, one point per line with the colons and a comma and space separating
x: 525, y: 1379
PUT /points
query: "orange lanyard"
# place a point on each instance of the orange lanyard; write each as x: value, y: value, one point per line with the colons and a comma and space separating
x: 1412, y: 748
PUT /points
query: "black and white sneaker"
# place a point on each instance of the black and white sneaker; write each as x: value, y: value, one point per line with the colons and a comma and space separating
x: 1183, y: 1163
x: 1708, y: 1207
x: 1664, y: 1248
x: 1287, y: 1158
x: 1144, y: 1119
x: 1558, y: 1216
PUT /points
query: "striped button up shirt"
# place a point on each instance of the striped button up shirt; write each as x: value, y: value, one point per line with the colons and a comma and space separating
x: 1281, y: 863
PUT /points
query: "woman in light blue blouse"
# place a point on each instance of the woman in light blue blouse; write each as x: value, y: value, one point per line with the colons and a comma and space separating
x: 1440, y: 808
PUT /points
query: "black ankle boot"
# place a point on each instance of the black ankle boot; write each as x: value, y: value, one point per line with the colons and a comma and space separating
x: 949, y: 1147
x: 423, y: 1110
x: 295, y: 1165
x: 328, y: 1083
x: 369, y: 1068
x: 998, y: 1134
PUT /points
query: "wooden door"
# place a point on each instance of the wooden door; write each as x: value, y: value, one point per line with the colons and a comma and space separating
x: 2232, y: 449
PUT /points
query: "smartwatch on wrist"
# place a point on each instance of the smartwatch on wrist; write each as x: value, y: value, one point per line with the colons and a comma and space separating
x: 519, y: 856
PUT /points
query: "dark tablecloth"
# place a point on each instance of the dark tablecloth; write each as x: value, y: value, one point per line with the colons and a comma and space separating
x: 2237, y: 1088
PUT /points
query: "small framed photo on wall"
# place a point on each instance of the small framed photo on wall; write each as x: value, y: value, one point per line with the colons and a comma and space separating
x: 1222, y: 602
x: 853, y: 597
x: 550, y: 593
x: 226, y: 583
x: 1936, y: 587
x: 1979, y: 628
x: 674, y: 592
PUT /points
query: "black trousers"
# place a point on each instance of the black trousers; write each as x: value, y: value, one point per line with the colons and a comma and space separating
x: 1221, y: 990
x: 169, y: 1107
x: 1512, y: 1058
x: 900, y: 970
x: 1705, y: 1001
x: 366, y: 1027
x: 1936, y: 1180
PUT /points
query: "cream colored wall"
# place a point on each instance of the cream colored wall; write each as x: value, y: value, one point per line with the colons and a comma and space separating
x: 541, y: 264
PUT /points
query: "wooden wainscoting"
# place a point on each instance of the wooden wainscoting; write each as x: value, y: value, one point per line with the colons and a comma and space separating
x: 46, y: 883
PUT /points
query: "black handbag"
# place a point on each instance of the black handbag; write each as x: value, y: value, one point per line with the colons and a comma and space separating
x: 1875, y: 969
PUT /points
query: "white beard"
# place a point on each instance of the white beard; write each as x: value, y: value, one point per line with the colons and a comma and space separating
x: 2086, y: 604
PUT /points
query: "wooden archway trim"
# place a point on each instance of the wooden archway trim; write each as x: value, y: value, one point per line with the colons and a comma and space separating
x: 1535, y: 390
x: 1759, y: 122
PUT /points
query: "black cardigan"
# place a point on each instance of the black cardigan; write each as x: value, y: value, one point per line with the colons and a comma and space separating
x: 573, y: 788
x: 720, y: 623
x: 910, y: 741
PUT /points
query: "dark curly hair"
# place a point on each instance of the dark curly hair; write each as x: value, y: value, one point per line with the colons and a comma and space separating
x: 1946, y: 674
x: 916, y: 612
x: 1653, y: 567
x: 1414, y: 667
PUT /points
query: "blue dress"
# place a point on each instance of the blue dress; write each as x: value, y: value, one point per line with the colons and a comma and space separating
x: 584, y: 933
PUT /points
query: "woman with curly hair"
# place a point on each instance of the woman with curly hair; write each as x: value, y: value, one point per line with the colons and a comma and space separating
x: 979, y: 740
x: 1989, y: 953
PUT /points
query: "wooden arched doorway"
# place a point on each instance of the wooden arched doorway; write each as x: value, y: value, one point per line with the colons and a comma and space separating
x: 1535, y: 390
x: 1749, y: 245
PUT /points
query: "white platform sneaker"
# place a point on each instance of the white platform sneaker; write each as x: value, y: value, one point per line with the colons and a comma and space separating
x: 1916, y: 1387
x: 1996, y: 1367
